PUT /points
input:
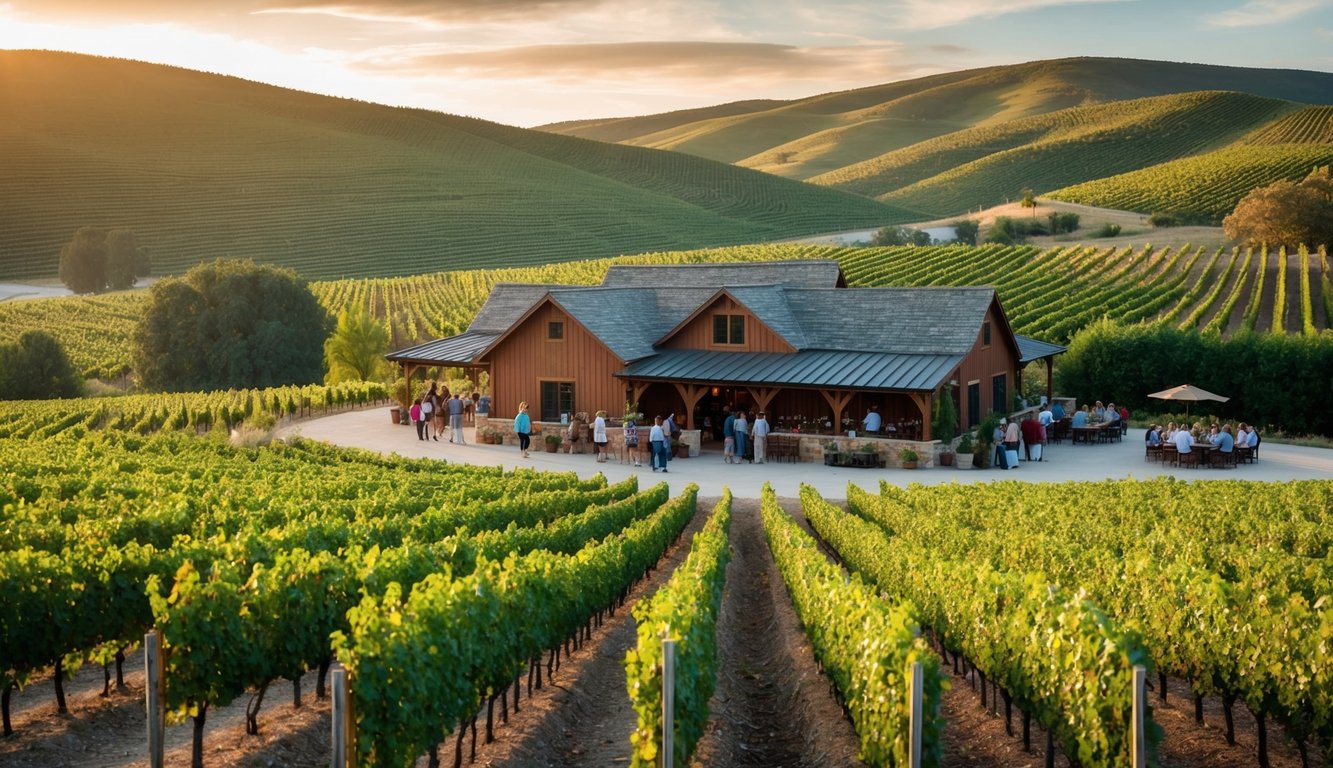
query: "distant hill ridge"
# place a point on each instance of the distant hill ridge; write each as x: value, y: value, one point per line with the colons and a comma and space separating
x: 202, y: 166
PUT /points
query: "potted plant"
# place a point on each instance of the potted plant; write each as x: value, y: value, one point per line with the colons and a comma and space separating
x: 831, y: 454
x: 982, y: 455
x: 965, y: 451
x: 944, y: 423
x: 552, y: 443
x: 909, y: 458
x: 868, y: 458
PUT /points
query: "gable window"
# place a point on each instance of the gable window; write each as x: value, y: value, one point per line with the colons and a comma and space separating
x: 555, y: 330
x: 728, y: 329
x: 985, y: 334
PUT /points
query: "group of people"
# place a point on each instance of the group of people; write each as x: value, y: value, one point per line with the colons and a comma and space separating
x: 1219, y: 437
x: 659, y: 440
x: 744, y: 441
x: 1101, y: 414
x: 428, y: 412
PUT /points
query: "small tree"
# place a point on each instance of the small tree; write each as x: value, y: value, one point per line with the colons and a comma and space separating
x: 126, y: 262
x: 1284, y: 213
x: 37, y: 368
x: 1029, y: 200
x: 355, y: 351
x: 944, y: 423
x: 83, y: 261
x: 966, y: 230
x: 900, y: 236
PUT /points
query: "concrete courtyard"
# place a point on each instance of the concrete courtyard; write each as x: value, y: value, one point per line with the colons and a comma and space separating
x: 371, y: 429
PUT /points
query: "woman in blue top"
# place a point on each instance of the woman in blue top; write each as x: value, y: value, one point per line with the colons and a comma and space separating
x: 523, y: 426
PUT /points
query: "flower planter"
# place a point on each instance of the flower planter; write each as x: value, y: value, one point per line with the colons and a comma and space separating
x: 551, y: 447
x: 946, y: 459
x: 909, y: 465
x: 964, y: 461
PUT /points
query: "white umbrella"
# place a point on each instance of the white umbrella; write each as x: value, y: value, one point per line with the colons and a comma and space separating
x: 1187, y: 394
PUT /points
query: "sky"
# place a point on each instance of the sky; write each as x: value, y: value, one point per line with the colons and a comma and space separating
x: 530, y: 62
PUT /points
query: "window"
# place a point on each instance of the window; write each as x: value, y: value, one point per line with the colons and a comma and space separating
x: 557, y: 399
x: 985, y: 334
x: 999, y: 387
x: 555, y: 330
x: 728, y: 329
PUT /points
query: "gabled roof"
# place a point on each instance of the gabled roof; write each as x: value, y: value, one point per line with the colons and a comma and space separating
x: 805, y: 273
x: 766, y: 302
x: 506, y: 304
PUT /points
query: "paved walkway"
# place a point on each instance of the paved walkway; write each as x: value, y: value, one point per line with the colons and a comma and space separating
x: 371, y: 429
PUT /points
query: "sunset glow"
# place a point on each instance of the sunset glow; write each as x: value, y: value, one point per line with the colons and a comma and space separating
x: 528, y: 62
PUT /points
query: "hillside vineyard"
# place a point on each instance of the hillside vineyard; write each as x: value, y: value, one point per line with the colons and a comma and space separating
x: 1225, y: 290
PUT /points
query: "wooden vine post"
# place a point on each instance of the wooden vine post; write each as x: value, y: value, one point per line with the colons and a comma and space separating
x: 344, y: 721
x: 915, y: 695
x: 155, y: 693
x: 668, y: 701
x: 1138, y: 727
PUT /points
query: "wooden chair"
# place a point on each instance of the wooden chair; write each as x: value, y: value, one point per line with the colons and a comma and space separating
x: 1153, y: 453
x: 1222, y: 460
x: 1190, y: 459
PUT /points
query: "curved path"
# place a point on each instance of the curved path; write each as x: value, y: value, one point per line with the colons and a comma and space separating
x: 371, y: 429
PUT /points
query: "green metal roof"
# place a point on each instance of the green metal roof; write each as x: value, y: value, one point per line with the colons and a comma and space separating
x: 1030, y: 349
x: 816, y: 368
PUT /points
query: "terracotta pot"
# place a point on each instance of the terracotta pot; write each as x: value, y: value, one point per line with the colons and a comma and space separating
x: 946, y: 459
x: 550, y: 447
x: 909, y: 465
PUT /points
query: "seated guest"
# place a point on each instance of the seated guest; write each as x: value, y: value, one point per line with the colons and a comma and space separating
x: 1224, y: 442
x: 1253, y: 440
x: 1169, y: 434
x: 1242, y: 434
x: 1098, y: 413
x: 1081, y: 417
x: 1184, y: 441
x: 1113, y: 415
x: 1154, y: 436
x: 1058, y: 411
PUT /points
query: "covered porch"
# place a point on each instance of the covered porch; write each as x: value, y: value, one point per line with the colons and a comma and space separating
x: 453, y: 352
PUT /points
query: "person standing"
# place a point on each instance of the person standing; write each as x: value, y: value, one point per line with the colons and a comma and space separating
x: 742, y: 428
x: 456, y: 419
x: 760, y: 432
x: 657, y: 440
x: 1011, y: 438
x: 428, y: 409
x: 670, y: 429
x: 632, y: 441
x: 872, y: 422
x: 415, y: 413
x: 599, y: 437
x: 441, y: 403
x: 523, y: 428
x: 1033, y: 437
x: 1046, y: 418
x: 729, y: 438
x: 997, y: 437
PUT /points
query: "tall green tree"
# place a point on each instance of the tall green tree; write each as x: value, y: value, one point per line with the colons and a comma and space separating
x: 83, y: 261
x: 37, y: 368
x: 355, y: 351
x: 231, y: 324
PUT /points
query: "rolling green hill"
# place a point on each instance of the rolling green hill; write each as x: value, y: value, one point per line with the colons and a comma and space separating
x: 808, y: 137
x: 202, y: 166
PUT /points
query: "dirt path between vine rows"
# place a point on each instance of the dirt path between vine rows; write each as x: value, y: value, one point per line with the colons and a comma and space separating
x: 772, y: 706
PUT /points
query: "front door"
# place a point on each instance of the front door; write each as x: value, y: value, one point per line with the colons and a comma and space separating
x: 557, y: 400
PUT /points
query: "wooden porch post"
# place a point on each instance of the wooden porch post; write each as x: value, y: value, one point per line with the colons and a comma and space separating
x: 638, y: 387
x: 837, y: 402
x: 1050, y: 381
x: 923, y: 402
x: 691, y: 394
x: 763, y: 396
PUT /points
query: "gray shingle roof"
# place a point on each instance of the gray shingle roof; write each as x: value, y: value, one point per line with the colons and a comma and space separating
x: 804, y: 273
x: 904, y: 320
x: 809, y: 368
x: 506, y: 304
x: 770, y: 304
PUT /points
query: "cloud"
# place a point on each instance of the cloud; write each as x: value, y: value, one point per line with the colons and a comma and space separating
x: 934, y: 14
x: 685, y: 60
x: 1261, y: 12
x: 434, y: 11
x: 949, y: 49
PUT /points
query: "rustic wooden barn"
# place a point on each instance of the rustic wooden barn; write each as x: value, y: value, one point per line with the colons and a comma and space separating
x: 786, y: 337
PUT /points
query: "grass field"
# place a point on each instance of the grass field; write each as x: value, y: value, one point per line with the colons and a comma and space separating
x: 202, y: 166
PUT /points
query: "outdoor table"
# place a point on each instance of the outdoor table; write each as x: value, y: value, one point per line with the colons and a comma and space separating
x: 1090, y: 434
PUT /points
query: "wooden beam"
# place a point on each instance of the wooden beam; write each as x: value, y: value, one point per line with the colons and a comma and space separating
x: 837, y: 402
x: 923, y: 401
x: 763, y: 396
x: 691, y: 394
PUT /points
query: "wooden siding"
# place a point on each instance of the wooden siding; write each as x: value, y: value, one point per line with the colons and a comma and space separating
x: 698, y: 332
x: 983, y: 363
x: 525, y: 358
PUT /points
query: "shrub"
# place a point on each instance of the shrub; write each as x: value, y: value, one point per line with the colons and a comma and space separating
x: 1161, y: 219
x: 1107, y: 230
x: 1063, y: 222
x: 900, y: 236
x: 965, y: 230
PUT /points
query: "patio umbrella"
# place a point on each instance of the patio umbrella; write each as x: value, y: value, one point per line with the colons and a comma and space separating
x: 1187, y: 394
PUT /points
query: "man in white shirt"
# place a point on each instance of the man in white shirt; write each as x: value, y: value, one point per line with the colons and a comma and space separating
x: 1183, y: 440
x: 1046, y: 418
x: 759, y: 431
x: 872, y: 420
